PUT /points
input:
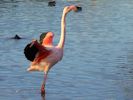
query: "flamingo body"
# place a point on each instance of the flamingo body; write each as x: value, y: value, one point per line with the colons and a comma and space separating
x: 46, y: 63
x: 48, y: 54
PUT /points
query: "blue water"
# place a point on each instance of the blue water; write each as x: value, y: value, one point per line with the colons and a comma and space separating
x: 98, y: 54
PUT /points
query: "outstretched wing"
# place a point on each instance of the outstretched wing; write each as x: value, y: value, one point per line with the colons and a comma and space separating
x: 30, y: 51
x: 35, y: 51
x: 42, y: 53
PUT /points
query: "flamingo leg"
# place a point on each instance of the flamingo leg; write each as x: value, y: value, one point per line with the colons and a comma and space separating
x: 43, y: 84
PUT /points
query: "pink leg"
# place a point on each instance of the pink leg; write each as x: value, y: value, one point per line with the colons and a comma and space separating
x: 43, y: 84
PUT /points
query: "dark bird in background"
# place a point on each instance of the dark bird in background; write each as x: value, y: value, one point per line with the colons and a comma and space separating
x: 16, y: 37
x: 51, y: 3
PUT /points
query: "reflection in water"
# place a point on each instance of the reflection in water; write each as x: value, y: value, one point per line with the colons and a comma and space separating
x: 43, y: 96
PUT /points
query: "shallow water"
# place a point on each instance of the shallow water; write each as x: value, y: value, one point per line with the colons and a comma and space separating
x: 98, y: 58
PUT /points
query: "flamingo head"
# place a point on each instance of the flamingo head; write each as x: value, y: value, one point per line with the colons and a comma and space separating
x: 72, y: 8
x: 76, y: 8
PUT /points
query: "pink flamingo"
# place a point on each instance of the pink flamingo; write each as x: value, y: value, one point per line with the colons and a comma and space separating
x: 49, y: 54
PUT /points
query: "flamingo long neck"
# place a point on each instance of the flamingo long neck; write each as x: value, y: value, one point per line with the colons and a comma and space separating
x: 63, y: 31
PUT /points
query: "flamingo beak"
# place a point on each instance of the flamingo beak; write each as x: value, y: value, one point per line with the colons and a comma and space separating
x: 78, y: 8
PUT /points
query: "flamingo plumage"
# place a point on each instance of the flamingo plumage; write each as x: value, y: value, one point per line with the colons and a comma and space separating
x: 49, y: 54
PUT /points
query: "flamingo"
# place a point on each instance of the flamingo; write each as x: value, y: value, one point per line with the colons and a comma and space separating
x: 48, y: 54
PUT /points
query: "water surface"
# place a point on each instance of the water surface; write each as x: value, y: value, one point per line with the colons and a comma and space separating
x: 98, y: 58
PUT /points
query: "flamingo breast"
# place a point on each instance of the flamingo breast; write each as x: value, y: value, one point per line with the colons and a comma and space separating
x: 55, y: 56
